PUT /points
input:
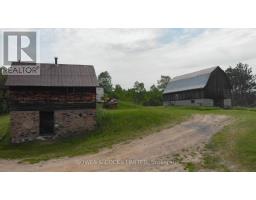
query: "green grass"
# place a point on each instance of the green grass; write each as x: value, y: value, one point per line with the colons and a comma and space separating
x: 234, y: 148
x: 114, y: 126
x: 4, y: 125
x: 235, y: 145
x: 191, y: 167
x: 127, y: 105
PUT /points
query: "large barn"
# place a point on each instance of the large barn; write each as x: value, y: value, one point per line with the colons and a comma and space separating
x: 207, y: 87
x: 59, y: 102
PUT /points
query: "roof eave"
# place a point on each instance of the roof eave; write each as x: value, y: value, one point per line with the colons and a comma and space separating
x: 200, y: 88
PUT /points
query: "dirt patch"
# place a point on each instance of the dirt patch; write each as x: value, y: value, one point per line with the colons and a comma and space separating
x: 166, y: 150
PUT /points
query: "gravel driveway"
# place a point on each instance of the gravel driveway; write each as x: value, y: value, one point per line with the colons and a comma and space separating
x: 155, y: 152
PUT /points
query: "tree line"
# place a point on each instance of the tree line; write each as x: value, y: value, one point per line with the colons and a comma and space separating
x: 3, y: 94
x: 243, y: 85
x: 241, y: 77
x: 138, y: 93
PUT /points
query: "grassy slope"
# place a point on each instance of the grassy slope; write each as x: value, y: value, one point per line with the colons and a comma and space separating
x: 234, y: 144
x: 4, y: 125
x: 234, y: 148
x: 114, y: 126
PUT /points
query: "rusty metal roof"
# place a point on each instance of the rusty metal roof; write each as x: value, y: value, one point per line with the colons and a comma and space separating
x: 60, y: 75
x: 191, y: 81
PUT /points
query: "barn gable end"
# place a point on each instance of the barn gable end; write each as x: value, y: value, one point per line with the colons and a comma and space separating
x: 59, y: 102
x: 208, y: 87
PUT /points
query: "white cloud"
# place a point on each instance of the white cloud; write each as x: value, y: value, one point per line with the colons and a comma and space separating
x: 115, y: 50
x: 145, y: 54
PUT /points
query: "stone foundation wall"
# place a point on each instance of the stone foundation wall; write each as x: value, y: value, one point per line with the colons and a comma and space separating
x: 24, y: 126
x: 227, y: 103
x: 192, y: 102
x: 70, y: 122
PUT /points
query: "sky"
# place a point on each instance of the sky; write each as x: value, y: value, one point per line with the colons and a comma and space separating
x: 144, y: 55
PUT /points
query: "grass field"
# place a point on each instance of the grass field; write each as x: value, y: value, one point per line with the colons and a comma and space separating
x: 233, y: 146
x: 127, y: 122
x: 4, y: 125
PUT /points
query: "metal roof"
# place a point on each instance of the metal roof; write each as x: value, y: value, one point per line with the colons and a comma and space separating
x: 191, y: 81
x: 60, y: 75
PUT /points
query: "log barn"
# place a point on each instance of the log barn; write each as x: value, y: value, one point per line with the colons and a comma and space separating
x: 207, y: 87
x: 59, y: 102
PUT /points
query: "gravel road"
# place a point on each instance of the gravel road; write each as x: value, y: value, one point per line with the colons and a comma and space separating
x: 155, y: 152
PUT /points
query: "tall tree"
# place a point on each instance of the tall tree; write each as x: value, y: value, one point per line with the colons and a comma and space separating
x: 104, y: 80
x: 118, y: 88
x: 3, y: 93
x: 139, y: 92
x: 243, y: 84
x: 162, y: 83
x: 154, y: 97
x: 139, y: 87
x: 118, y: 92
x: 2, y: 77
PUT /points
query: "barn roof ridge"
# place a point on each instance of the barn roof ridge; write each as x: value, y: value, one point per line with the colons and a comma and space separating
x: 195, y: 73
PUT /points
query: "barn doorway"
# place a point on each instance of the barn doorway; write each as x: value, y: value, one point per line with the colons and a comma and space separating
x: 219, y: 102
x: 46, y: 123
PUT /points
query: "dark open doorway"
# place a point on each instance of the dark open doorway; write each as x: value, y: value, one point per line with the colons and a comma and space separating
x: 219, y: 102
x: 46, y: 123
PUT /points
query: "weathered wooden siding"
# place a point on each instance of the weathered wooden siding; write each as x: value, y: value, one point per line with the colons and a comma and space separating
x: 51, y: 98
x: 218, y: 86
x: 184, y: 95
